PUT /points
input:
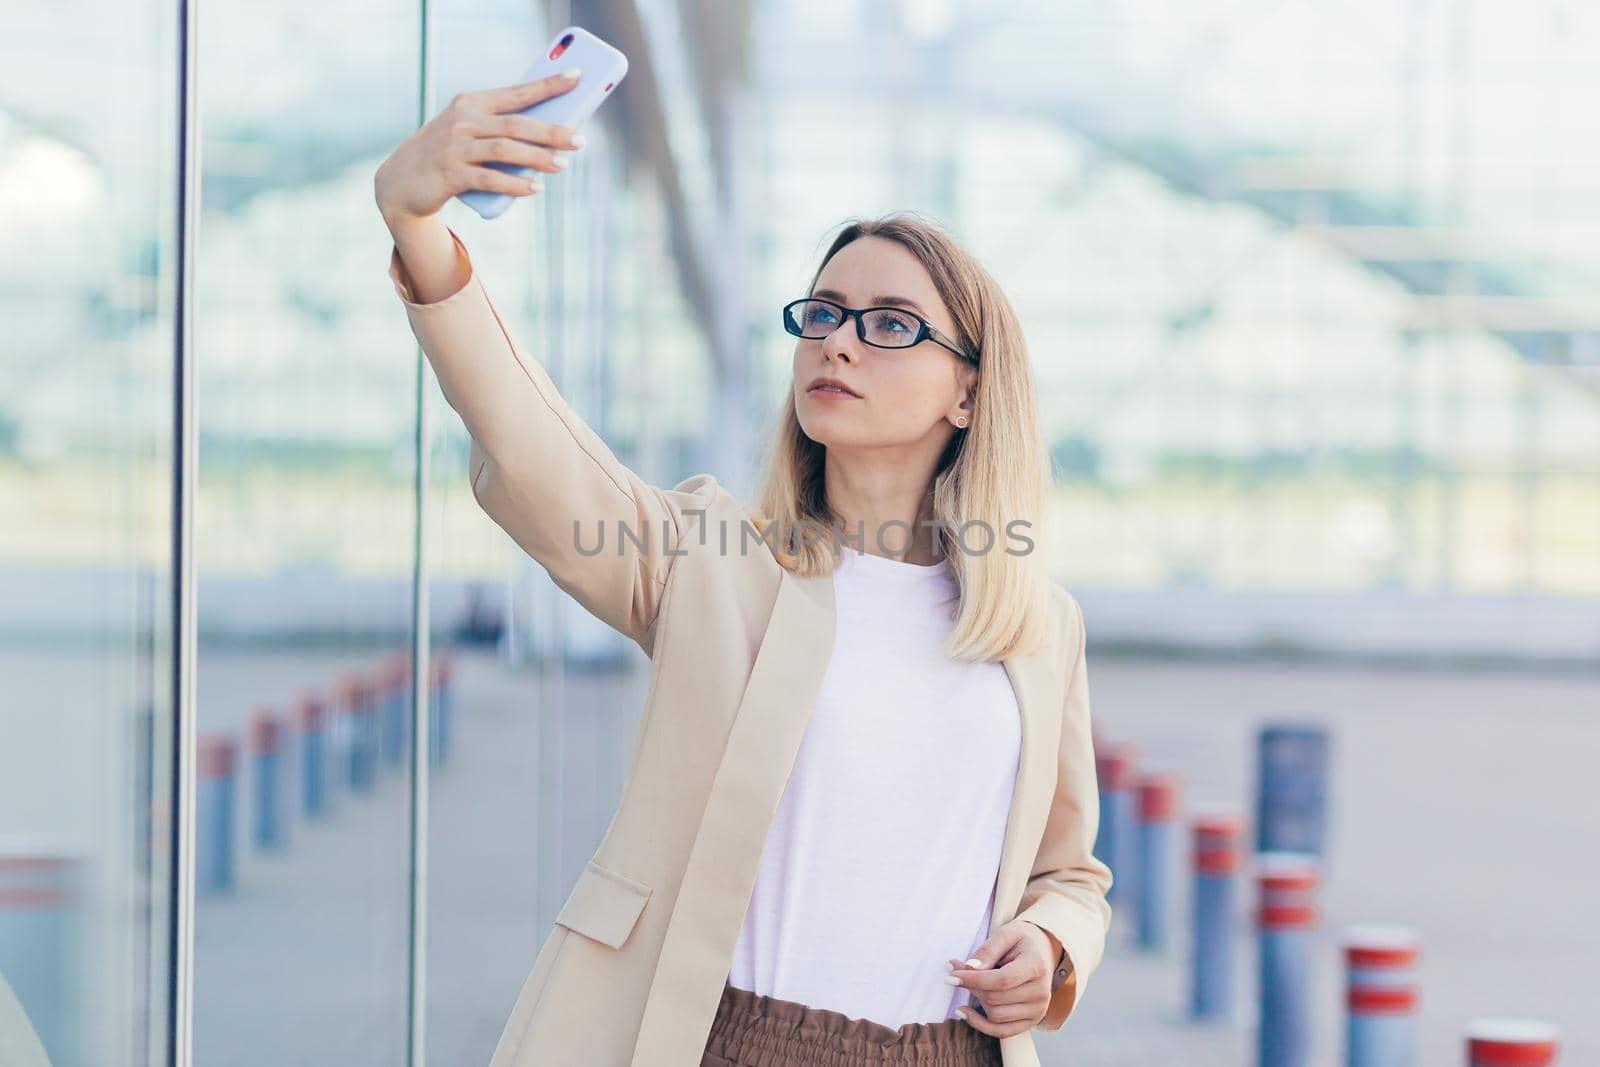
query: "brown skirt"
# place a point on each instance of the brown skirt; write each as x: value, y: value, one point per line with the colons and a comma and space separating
x: 752, y: 1030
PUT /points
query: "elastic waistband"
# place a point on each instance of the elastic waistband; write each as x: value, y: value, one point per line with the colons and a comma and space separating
x: 753, y: 1030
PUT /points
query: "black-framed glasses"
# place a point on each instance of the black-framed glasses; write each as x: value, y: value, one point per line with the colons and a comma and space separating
x: 880, y: 327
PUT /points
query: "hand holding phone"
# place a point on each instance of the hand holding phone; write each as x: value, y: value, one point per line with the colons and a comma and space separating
x: 484, y: 146
x: 601, y: 67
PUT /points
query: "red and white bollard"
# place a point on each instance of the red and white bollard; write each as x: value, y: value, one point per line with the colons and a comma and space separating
x: 1511, y: 1043
x: 1156, y: 792
x: 1116, y: 841
x: 1218, y: 858
x: 1381, y: 996
x: 1286, y: 916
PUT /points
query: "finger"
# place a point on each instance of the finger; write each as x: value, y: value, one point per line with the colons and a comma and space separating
x: 511, y: 150
x: 498, y: 181
x: 535, y: 131
x: 1000, y: 945
x: 996, y: 1027
x: 997, y: 1002
x: 978, y: 1022
x: 1009, y: 976
x: 1023, y: 1014
x: 1020, y: 973
x: 525, y: 94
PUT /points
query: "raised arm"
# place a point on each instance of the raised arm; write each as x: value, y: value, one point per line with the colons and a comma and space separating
x: 1066, y: 893
x: 541, y: 473
x: 607, y: 537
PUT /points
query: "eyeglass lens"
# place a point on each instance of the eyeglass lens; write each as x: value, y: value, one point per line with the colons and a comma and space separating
x: 884, y: 327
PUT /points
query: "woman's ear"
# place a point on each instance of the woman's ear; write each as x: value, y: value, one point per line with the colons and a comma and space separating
x: 961, y: 415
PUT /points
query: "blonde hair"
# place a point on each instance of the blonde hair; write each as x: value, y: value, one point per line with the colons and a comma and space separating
x: 994, y: 472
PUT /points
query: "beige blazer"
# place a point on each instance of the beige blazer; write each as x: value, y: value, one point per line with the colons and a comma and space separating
x: 631, y: 973
x: 19, y: 1041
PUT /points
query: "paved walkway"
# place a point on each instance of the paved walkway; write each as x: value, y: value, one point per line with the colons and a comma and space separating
x: 1456, y: 805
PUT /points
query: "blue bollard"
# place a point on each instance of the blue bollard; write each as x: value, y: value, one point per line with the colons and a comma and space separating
x: 405, y: 684
x: 1511, y: 1043
x: 1291, y: 789
x: 214, y: 804
x: 313, y: 717
x: 1156, y: 806
x: 42, y: 948
x: 1115, y: 842
x: 266, y: 750
x: 1218, y: 853
x: 390, y: 679
x: 1381, y: 996
x: 440, y: 705
x: 361, y: 732
x: 144, y: 788
x: 435, y: 719
x: 1285, y: 917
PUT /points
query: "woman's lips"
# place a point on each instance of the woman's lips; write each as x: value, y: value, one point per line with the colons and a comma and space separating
x: 831, y: 392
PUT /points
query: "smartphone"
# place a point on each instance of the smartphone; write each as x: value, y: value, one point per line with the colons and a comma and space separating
x: 603, y: 67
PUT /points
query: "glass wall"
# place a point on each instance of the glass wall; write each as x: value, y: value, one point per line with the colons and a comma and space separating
x: 88, y: 277
x: 331, y: 479
x: 305, y: 536
x: 542, y: 698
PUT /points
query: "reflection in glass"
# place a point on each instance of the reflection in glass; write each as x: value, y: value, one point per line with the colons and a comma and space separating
x: 87, y: 296
x: 305, y: 535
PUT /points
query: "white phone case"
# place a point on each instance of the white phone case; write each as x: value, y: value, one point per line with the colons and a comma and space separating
x: 603, y: 67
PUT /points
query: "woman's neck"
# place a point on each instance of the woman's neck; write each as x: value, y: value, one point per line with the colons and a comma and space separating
x: 883, y: 510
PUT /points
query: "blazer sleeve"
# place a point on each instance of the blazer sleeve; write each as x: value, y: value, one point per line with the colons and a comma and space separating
x: 1066, y: 892
x: 541, y: 473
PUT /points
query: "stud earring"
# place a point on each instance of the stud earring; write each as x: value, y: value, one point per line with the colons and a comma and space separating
x: 962, y: 422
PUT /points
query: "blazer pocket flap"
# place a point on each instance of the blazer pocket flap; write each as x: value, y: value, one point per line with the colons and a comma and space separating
x: 604, y: 905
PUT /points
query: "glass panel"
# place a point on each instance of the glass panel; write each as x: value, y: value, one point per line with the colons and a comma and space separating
x: 305, y: 532
x: 485, y: 800
x: 543, y: 699
x: 88, y: 289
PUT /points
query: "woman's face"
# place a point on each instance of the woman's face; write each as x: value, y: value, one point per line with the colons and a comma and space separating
x: 903, y: 396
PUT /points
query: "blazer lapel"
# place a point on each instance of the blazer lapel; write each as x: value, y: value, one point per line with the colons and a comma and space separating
x: 762, y: 745
x: 1030, y: 808
x: 726, y: 854
x: 1036, y: 775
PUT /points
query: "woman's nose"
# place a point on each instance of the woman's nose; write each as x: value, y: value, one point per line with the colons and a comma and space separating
x: 837, y: 345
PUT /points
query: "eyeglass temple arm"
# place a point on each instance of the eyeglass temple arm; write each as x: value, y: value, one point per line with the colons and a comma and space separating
x: 940, y: 338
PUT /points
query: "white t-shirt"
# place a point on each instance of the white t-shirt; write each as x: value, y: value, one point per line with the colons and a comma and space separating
x: 881, y: 860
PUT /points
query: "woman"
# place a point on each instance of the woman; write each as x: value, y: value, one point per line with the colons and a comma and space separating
x: 861, y: 801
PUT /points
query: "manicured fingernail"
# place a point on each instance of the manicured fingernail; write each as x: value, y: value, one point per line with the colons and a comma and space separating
x: 535, y: 186
x: 974, y: 962
x: 953, y: 979
x: 579, y: 140
x: 557, y: 162
x: 571, y: 75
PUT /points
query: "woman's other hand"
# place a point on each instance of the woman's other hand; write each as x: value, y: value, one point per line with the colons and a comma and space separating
x: 445, y: 156
x: 1012, y: 979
